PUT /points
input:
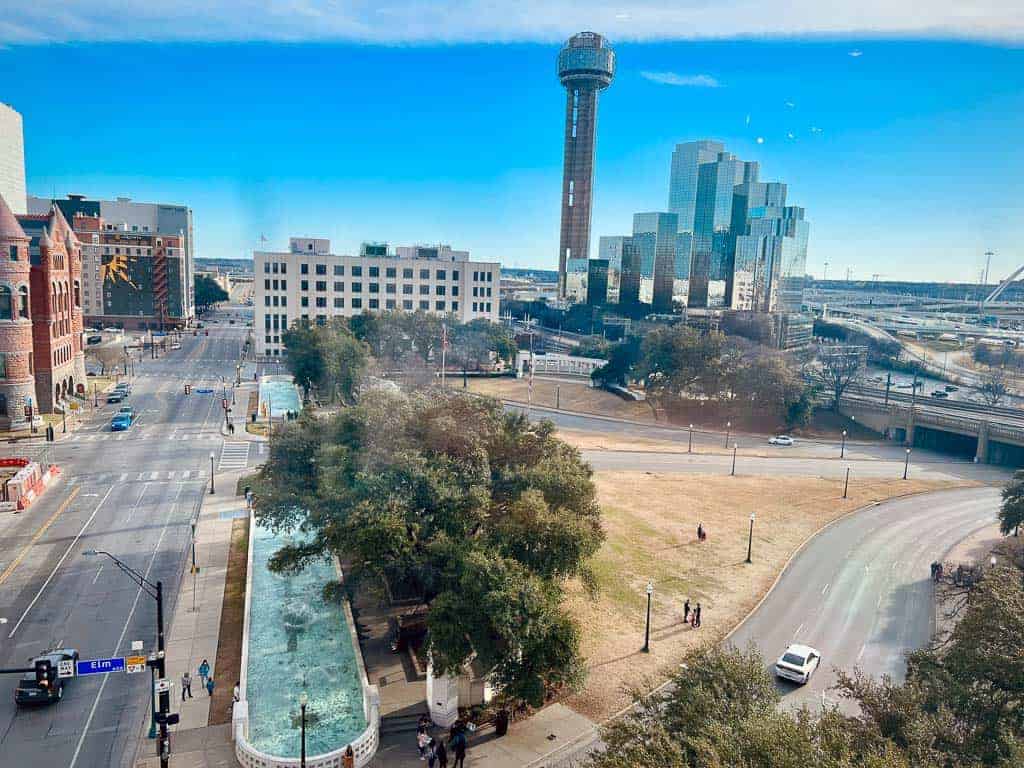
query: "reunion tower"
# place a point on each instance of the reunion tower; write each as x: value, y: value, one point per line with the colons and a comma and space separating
x: 586, y: 65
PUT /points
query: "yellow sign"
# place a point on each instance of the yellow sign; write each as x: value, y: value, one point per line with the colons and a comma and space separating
x: 134, y: 664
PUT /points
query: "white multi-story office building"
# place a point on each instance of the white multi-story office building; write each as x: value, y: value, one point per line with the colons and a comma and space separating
x: 310, y: 284
x: 12, y: 160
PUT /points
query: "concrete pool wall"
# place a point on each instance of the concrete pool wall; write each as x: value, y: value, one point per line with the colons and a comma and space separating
x: 278, y: 395
x: 250, y: 715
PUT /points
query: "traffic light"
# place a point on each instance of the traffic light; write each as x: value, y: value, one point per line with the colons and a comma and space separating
x: 45, y: 673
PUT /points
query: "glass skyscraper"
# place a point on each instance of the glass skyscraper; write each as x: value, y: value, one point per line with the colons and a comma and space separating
x: 682, y: 186
x: 655, y: 235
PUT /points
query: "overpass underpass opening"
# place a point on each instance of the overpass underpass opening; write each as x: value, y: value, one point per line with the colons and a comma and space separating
x: 945, y: 442
x: 1005, y: 454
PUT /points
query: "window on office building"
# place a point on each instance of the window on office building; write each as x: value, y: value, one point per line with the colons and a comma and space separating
x: 304, y: 285
x: 439, y: 306
x: 266, y: 264
x: 266, y: 301
x: 321, y: 269
x: 304, y: 268
x: 321, y: 301
x: 357, y: 287
x: 424, y: 290
x: 389, y: 288
x: 273, y: 267
x: 304, y: 301
x: 407, y: 273
x: 284, y: 285
x: 339, y: 303
x: 390, y: 272
x: 439, y: 290
x: 339, y: 270
x: 441, y: 274
x: 407, y: 290
x: 266, y: 284
x: 284, y: 269
x: 455, y: 290
x: 275, y: 301
x: 374, y: 287
x: 357, y: 271
x: 424, y: 305
x: 321, y: 285
x: 374, y: 304
x: 357, y: 303
x: 455, y: 274
x: 339, y: 287
x: 374, y: 271
x: 455, y: 306
x: 407, y: 305
x: 389, y: 304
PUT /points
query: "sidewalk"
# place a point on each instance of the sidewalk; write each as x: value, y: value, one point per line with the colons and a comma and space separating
x: 194, y: 635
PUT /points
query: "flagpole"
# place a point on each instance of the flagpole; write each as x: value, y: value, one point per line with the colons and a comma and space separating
x: 444, y: 347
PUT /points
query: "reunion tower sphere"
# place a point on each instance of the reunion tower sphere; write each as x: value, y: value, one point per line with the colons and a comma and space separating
x: 586, y: 65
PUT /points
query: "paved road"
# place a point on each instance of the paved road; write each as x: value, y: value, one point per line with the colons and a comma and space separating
x: 861, y: 592
x: 131, y: 494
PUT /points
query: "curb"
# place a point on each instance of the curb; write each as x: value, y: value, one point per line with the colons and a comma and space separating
x: 803, y: 545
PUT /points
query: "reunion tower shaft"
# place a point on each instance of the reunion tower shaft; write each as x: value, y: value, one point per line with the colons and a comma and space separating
x: 586, y: 65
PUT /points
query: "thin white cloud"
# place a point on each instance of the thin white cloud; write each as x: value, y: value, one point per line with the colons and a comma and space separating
x: 457, y: 21
x: 674, y: 78
x: 856, y: 53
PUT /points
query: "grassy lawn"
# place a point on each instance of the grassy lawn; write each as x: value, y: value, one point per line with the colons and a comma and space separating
x: 650, y: 521
x: 571, y: 396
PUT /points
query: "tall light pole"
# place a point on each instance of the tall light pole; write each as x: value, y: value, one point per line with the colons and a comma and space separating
x: 734, y: 447
x: 303, y: 703
x: 728, y: 429
x: 846, y: 485
x: 156, y: 591
x: 647, y: 630
x: 195, y: 568
x: 211, y: 472
x: 750, y: 538
x: 906, y: 464
x: 689, y: 448
x: 842, y: 449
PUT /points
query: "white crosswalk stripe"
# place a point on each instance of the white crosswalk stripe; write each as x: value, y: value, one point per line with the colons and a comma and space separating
x: 234, y: 456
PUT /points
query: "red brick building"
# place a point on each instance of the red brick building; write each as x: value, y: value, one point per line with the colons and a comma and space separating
x: 40, y: 314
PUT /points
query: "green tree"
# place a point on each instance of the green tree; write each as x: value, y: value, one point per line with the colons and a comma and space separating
x: 622, y: 361
x: 479, y: 513
x: 207, y: 292
x: 1011, y: 513
x: 678, y: 360
x: 305, y: 358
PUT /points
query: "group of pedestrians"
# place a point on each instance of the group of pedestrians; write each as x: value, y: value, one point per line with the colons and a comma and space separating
x: 435, y: 752
x: 205, y: 680
x: 691, y: 616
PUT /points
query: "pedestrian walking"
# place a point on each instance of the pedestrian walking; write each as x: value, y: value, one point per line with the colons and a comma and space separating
x: 458, y: 745
x: 686, y: 611
x: 204, y: 672
x: 700, y: 531
x: 237, y: 693
x: 209, y: 686
x: 186, y: 685
x: 422, y: 740
x: 348, y: 760
x: 431, y: 753
x: 441, y: 751
x: 696, y: 616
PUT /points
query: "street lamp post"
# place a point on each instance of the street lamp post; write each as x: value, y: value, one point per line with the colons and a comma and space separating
x: 156, y: 591
x: 647, y: 630
x: 211, y: 472
x: 842, y: 449
x: 734, y: 447
x: 303, y: 703
x: 728, y: 429
x: 846, y: 485
x: 906, y: 464
x: 750, y: 538
x: 195, y: 568
x: 689, y: 448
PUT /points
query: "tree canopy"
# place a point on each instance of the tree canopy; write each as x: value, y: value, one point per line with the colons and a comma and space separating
x: 208, y: 292
x: 477, y: 512
x: 1011, y: 513
x: 326, y: 357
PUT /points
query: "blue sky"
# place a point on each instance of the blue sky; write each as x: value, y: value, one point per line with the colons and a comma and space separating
x: 906, y: 156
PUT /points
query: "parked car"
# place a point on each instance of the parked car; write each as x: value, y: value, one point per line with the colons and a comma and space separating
x: 940, y: 394
x: 30, y: 691
x: 127, y: 411
x: 116, y: 396
x: 952, y: 388
x: 175, y: 345
x: 798, y: 663
x: 781, y: 440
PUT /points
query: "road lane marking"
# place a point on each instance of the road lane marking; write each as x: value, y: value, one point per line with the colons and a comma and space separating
x: 38, y: 534
x: 97, y: 576
x: 138, y: 501
x: 825, y: 588
x: 861, y: 651
x: 798, y: 630
x: 60, y: 562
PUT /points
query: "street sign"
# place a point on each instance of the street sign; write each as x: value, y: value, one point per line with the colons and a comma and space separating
x: 137, y: 645
x: 101, y: 666
x: 163, y: 686
x: 65, y: 668
x: 133, y: 664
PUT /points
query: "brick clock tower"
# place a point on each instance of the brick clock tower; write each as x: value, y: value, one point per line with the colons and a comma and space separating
x: 17, y: 379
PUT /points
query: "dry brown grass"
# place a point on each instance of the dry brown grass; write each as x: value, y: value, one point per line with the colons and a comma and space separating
x: 232, y: 618
x: 570, y: 395
x: 651, y: 520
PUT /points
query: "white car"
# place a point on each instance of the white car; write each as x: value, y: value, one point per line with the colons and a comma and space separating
x: 781, y: 440
x: 175, y: 345
x: 798, y: 663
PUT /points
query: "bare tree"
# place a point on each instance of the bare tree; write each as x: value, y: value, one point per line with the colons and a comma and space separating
x: 839, y: 367
x: 106, y: 356
x: 994, y: 386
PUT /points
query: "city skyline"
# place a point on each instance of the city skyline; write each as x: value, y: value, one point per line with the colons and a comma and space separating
x: 854, y: 151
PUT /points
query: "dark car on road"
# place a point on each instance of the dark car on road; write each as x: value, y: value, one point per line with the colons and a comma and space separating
x: 116, y: 396
x: 31, y: 691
